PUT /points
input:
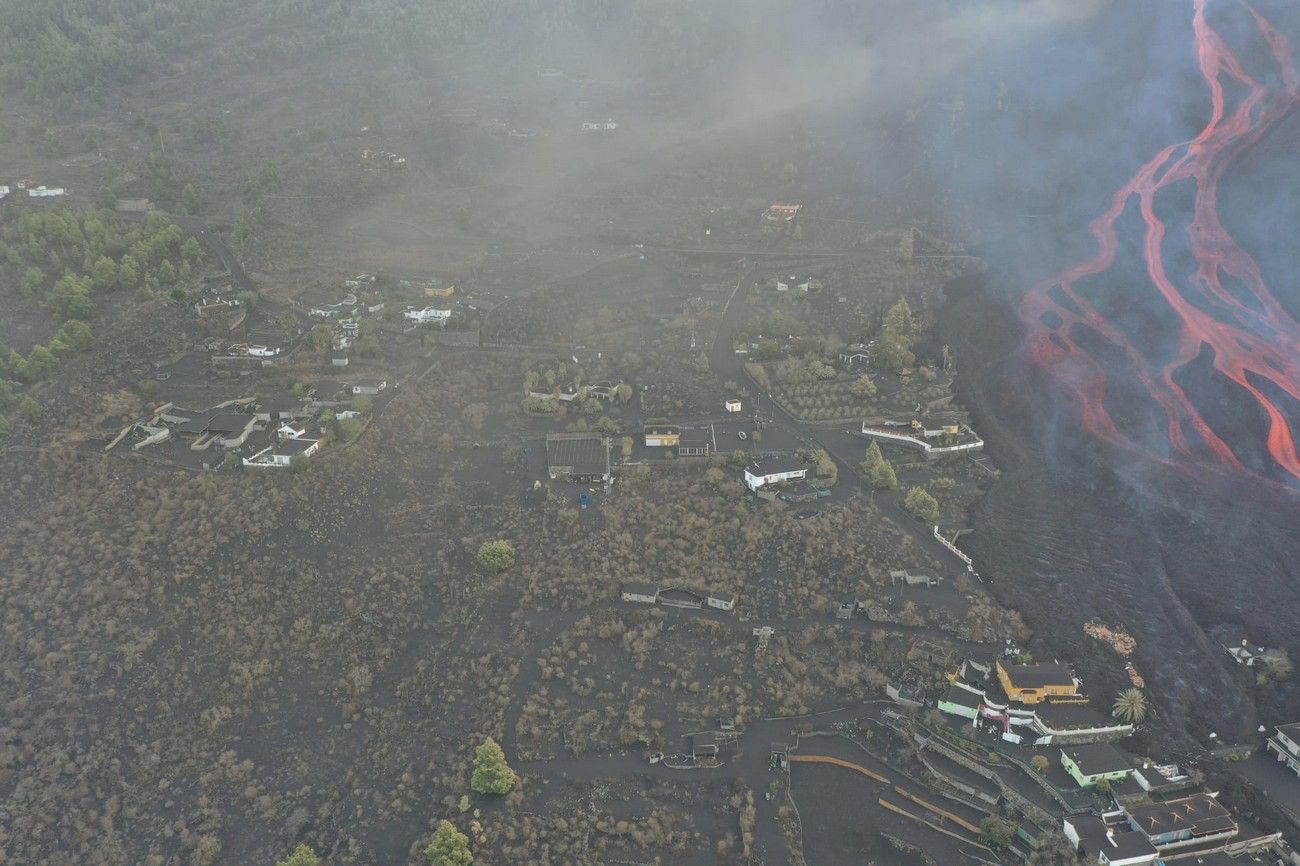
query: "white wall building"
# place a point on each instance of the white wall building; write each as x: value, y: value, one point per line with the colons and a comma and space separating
x: 427, y: 315
x: 773, y: 470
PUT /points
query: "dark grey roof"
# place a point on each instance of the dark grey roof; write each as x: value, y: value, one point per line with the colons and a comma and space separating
x: 1291, y: 731
x: 213, y: 422
x: 641, y: 588
x: 962, y: 697
x: 1088, y: 826
x: 775, y: 465
x: 294, y: 447
x: 1038, y: 676
x: 285, y: 402
x: 1094, y: 759
x: 230, y: 423
x: 1123, y: 846
x: 578, y: 455
x: 1068, y: 716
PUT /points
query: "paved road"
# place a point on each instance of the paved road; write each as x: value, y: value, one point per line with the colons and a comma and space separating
x: 216, y: 246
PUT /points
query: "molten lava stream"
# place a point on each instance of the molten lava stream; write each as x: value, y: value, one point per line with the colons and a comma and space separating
x: 1250, y: 335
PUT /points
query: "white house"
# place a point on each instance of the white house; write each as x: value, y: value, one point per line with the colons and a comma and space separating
x: 283, y: 455
x: 292, y: 430
x: 428, y: 314
x: 721, y: 602
x: 46, y: 191
x: 4, y: 190
x: 732, y: 405
x: 262, y: 351
x: 773, y: 470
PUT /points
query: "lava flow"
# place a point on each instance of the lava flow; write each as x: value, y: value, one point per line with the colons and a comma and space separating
x: 1222, y: 304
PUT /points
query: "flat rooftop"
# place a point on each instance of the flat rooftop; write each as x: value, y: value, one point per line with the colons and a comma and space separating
x: 578, y: 455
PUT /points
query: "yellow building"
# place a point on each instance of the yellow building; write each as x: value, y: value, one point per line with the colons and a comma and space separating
x: 662, y: 437
x: 1033, y: 684
x: 439, y: 290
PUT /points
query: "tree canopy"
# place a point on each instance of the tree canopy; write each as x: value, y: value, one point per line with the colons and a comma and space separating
x: 449, y: 847
x: 496, y: 555
x: 492, y: 775
x: 303, y: 855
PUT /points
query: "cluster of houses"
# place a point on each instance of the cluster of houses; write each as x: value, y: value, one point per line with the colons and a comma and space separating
x: 275, y: 431
x: 697, y: 440
x: 1034, y: 704
x: 349, y: 306
x: 432, y: 314
x: 278, y: 431
x: 604, y: 390
x: 1193, y: 829
x: 1155, y: 814
x: 32, y: 189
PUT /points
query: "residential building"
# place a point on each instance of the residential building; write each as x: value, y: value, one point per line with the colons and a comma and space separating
x: 283, y: 454
x: 437, y: 289
x: 779, y: 212
x: 640, y: 593
x: 1285, y: 743
x: 857, y: 354
x: 577, y: 457
x: 773, y: 470
x: 46, y: 191
x: 369, y: 387
x: 292, y: 430
x: 906, y: 578
x: 720, y: 602
x: 705, y: 745
x: 229, y: 430
x: 1185, y: 822
x: 732, y: 405
x: 1108, y: 840
x: 949, y: 438
x: 1032, y: 684
x: 961, y: 701
x: 1246, y: 653
x: 427, y: 315
x: 1095, y: 762
x: 4, y: 190
x: 662, y: 437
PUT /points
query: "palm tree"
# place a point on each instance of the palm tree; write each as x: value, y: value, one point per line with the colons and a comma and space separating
x: 1130, y: 706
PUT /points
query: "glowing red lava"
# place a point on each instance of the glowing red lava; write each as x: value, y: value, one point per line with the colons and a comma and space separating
x: 1252, y: 337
